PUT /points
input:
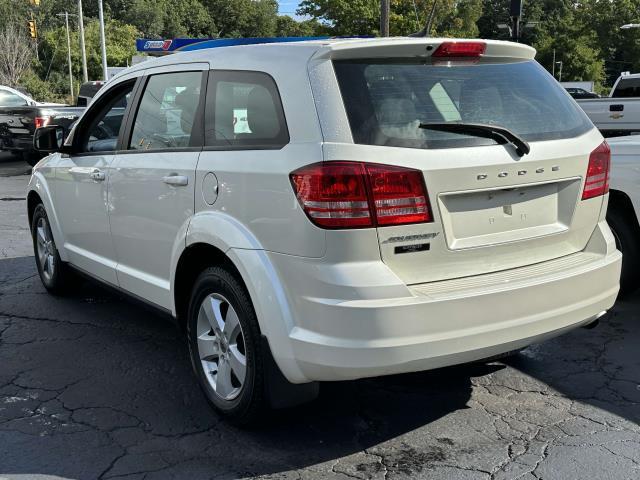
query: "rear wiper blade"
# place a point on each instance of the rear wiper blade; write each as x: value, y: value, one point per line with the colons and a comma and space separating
x: 500, y: 134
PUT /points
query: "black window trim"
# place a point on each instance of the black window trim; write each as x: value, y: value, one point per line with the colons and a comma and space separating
x: 196, y: 141
x: 216, y: 75
x: 99, y: 106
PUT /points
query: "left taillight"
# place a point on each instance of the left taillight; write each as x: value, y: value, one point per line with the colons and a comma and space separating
x: 357, y: 195
x: 597, y: 179
x: 42, y: 121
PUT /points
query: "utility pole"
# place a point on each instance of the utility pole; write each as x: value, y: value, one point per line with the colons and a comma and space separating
x: 103, y: 43
x: 553, y: 67
x: 560, y: 71
x: 66, y: 23
x: 385, y: 9
x: 516, y: 14
x: 83, y: 52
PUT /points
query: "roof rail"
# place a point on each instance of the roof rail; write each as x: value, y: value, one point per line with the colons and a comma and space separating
x: 189, y: 44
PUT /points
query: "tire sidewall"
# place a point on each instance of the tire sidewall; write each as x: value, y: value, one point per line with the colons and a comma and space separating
x: 629, y: 244
x: 218, y: 280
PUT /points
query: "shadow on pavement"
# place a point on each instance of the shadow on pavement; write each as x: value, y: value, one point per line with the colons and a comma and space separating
x: 92, y: 385
x: 599, y: 366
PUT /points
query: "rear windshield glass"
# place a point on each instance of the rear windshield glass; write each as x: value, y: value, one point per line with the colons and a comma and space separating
x: 627, y: 88
x: 386, y: 100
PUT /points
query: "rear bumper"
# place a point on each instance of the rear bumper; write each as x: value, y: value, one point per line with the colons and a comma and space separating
x: 16, y: 144
x: 451, y: 322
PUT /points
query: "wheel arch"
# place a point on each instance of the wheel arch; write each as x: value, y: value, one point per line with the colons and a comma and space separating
x: 39, y: 191
x: 620, y: 201
x: 217, y: 239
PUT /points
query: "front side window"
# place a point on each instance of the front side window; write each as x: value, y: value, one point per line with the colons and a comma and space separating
x: 104, y: 120
x: 9, y: 99
x: 387, y: 100
x: 244, y: 110
x: 167, y: 112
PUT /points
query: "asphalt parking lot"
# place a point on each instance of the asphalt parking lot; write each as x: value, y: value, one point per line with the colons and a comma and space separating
x: 94, y: 386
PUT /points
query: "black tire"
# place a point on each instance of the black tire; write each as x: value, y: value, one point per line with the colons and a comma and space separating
x: 55, y: 278
x: 220, y: 285
x: 627, y: 236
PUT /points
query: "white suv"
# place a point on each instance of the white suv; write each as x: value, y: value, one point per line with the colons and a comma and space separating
x: 334, y: 209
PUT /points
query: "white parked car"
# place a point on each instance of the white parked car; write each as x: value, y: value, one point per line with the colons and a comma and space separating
x: 396, y: 205
x: 624, y: 207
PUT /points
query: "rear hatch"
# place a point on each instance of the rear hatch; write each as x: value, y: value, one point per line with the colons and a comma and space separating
x: 492, y: 208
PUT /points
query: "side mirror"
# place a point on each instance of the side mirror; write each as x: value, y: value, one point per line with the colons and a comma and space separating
x: 49, y: 139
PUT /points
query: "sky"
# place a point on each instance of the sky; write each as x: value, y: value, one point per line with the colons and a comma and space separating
x: 288, y: 7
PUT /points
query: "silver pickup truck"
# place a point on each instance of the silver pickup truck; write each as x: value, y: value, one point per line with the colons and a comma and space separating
x: 624, y: 206
x: 619, y: 113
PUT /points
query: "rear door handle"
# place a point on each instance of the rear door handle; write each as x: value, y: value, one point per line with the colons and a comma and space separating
x: 97, y: 175
x: 176, y: 180
x: 616, y: 108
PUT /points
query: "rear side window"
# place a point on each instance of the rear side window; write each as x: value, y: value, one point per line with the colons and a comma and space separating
x: 244, y: 110
x: 167, y: 112
x: 627, y: 87
x: 387, y: 100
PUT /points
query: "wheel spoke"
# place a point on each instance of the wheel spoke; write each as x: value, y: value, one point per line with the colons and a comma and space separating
x: 223, y: 379
x: 42, y: 256
x: 207, y: 346
x: 49, y: 265
x: 238, y: 363
x: 42, y: 239
x: 211, y: 306
x: 231, y: 325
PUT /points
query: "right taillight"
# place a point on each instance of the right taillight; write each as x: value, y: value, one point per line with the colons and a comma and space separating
x: 597, y: 180
x: 41, y: 121
x: 358, y: 195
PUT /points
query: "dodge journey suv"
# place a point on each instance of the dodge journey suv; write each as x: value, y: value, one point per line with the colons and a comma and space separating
x: 334, y: 209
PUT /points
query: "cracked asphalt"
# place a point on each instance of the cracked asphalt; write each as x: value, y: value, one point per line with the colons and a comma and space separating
x: 93, y: 386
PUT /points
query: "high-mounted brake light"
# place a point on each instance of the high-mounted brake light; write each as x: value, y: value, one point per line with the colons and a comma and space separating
x: 597, y: 181
x: 42, y: 121
x: 460, y: 49
x: 359, y: 195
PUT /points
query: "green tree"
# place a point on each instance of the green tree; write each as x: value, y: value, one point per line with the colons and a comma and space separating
x: 362, y: 17
x: 244, y: 18
x: 166, y: 18
x: 120, y: 39
x: 288, y: 27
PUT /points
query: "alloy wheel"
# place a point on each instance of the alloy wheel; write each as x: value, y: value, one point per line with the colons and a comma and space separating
x: 221, y: 346
x: 45, y: 248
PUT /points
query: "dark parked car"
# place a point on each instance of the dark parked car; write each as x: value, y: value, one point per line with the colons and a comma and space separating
x: 20, y: 116
x: 579, y: 93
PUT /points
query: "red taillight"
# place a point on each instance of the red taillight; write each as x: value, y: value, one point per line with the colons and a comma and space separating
x: 460, y: 49
x: 42, y: 121
x: 597, y: 181
x: 357, y: 195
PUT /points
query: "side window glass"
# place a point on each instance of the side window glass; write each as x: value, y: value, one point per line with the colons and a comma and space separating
x: 101, y: 133
x: 8, y: 99
x: 244, y: 110
x: 167, y: 111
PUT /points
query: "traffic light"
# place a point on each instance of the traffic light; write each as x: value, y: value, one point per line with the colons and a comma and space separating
x: 33, y: 31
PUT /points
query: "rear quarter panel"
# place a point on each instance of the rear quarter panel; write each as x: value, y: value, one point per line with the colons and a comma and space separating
x: 625, y: 168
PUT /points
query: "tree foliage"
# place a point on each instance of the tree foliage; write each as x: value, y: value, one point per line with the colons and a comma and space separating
x: 584, y: 34
x: 15, y: 55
